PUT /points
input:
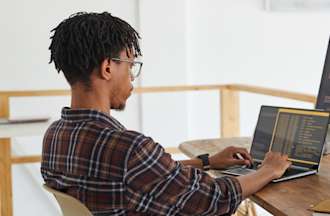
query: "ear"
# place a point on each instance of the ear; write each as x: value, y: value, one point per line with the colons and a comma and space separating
x: 105, y: 69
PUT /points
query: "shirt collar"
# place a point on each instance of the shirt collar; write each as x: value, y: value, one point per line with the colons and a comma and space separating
x: 80, y: 115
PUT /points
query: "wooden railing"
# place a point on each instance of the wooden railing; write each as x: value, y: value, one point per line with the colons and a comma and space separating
x: 229, y: 118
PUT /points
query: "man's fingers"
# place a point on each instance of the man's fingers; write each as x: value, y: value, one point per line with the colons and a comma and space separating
x: 289, y: 164
x: 244, y: 153
x: 285, y: 157
x: 240, y: 162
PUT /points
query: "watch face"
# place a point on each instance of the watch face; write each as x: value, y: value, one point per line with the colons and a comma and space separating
x: 203, y: 155
x: 205, y: 161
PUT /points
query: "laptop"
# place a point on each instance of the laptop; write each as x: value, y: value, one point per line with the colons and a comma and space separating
x: 299, y: 133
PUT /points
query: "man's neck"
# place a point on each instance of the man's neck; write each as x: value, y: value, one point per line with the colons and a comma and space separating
x: 89, y: 99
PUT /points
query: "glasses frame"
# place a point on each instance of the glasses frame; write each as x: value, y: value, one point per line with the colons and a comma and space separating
x: 133, y: 63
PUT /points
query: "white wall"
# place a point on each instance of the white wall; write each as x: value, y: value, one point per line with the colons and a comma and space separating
x: 237, y: 41
x: 163, y: 33
x: 183, y: 42
x: 214, y: 42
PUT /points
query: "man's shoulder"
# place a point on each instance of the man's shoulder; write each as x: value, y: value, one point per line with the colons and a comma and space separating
x: 96, y: 129
x: 135, y: 138
x: 90, y: 125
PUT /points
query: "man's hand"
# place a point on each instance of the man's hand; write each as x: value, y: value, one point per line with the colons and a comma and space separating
x: 276, y: 162
x: 228, y: 157
x: 273, y: 167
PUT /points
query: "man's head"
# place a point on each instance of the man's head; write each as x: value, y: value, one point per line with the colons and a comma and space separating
x: 96, y: 50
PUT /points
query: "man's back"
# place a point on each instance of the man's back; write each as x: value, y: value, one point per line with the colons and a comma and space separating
x: 113, y: 171
x: 84, y: 155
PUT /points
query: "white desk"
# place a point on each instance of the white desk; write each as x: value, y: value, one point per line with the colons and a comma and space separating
x: 23, y: 129
x: 7, y: 159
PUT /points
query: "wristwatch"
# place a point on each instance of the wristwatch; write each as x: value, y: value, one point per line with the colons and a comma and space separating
x: 205, y: 161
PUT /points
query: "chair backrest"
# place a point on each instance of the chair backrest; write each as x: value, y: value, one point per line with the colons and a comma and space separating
x: 70, y: 206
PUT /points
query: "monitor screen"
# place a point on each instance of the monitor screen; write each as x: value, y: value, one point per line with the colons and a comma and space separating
x: 263, y: 133
x: 323, y: 97
x: 296, y: 132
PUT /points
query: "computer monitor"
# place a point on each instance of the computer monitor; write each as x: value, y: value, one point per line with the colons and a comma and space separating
x: 323, y: 97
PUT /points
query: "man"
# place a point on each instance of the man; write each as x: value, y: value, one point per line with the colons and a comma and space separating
x: 89, y: 155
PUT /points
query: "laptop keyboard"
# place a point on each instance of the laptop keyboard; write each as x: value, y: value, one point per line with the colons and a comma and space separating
x: 254, y: 167
x: 290, y: 172
x: 241, y: 171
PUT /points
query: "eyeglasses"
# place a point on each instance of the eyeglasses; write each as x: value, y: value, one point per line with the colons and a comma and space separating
x: 135, y: 68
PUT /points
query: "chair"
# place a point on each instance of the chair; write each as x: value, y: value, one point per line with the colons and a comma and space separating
x: 246, y: 208
x: 70, y: 206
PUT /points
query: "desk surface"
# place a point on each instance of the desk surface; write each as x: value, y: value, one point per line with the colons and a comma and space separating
x: 292, y: 197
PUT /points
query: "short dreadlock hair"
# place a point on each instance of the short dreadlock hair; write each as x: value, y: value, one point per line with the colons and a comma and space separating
x: 81, y: 42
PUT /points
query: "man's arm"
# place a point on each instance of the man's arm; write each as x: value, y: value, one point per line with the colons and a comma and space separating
x: 156, y: 184
x: 197, y: 163
x: 223, y: 159
x: 253, y: 182
x: 249, y: 183
x: 273, y: 167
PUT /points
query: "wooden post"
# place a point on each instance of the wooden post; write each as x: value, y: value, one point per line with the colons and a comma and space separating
x: 229, y: 113
x: 4, y: 106
x: 6, y: 202
x: 5, y: 171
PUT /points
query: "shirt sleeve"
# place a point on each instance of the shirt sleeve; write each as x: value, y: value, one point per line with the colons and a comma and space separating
x: 156, y: 184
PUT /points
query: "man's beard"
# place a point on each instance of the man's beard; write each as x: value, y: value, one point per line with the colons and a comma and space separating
x: 121, y: 107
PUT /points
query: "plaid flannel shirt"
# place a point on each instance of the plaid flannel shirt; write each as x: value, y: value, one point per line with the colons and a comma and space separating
x: 115, y: 171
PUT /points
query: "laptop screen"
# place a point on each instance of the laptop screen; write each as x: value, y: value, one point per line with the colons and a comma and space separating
x: 296, y: 132
x: 323, y: 97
